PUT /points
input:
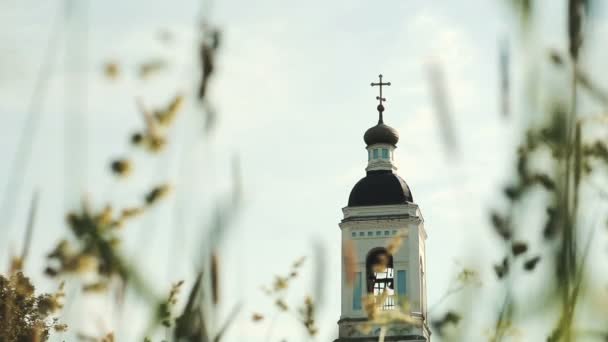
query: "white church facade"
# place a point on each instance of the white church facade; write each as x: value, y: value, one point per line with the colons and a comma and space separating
x: 380, y: 213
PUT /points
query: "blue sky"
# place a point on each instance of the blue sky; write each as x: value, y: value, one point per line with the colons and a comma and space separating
x: 293, y: 97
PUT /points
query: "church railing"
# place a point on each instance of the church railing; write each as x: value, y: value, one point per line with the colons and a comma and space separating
x: 388, y: 303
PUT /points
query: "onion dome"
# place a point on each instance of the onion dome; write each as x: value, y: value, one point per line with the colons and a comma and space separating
x: 381, y: 134
x: 381, y: 187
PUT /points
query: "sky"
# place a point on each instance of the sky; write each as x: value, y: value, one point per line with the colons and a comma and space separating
x: 293, y: 101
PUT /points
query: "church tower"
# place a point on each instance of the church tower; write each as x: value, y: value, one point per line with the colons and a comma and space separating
x: 378, y: 276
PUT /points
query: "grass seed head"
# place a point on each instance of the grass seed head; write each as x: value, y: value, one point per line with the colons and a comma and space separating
x: 394, y: 244
x: 121, y: 167
x: 502, y: 269
x: 519, y: 247
x: 111, y: 70
x: 157, y: 193
x: 282, y: 305
x: 529, y: 265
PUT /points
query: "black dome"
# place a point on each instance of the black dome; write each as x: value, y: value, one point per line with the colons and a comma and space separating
x: 380, y: 188
x: 381, y: 134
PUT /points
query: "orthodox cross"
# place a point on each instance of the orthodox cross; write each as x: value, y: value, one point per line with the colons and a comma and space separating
x: 380, y: 98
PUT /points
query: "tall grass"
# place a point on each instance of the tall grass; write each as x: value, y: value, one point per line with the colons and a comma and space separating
x: 557, y: 161
x: 560, y: 156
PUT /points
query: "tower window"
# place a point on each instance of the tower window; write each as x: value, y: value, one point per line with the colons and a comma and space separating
x: 384, y: 153
x: 357, y: 293
x: 378, y: 233
x: 375, y: 153
x: 401, y: 283
x: 380, y: 277
x: 354, y: 234
x: 370, y: 233
x: 369, y: 155
x: 386, y: 232
x: 361, y: 233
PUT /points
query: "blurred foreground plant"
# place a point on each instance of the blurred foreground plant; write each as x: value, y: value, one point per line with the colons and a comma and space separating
x: 305, y: 313
x: 560, y: 157
x: 25, y: 316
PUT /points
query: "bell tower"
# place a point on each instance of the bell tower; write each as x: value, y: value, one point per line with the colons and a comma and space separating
x: 383, y: 248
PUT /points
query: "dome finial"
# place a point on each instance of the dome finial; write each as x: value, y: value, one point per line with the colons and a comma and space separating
x: 380, y: 98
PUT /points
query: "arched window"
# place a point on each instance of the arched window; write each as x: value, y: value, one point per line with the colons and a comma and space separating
x: 385, y: 153
x: 380, y: 276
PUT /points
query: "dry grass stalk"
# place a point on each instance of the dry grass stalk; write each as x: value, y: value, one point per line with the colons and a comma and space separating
x: 25, y: 316
x: 305, y: 313
x: 505, y: 77
x: 165, y: 308
x: 153, y: 138
x: 439, y: 98
x: 307, y: 316
x: 215, y: 287
x: 349, y: 261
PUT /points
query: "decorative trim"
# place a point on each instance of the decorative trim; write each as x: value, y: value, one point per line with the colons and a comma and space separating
x: 379, y: 217
x: 410, y: 209
x: 386, y: 338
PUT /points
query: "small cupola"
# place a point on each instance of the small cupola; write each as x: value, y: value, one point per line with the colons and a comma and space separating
x: 381, y: 139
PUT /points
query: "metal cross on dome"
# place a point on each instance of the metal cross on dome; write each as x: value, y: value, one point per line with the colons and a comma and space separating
x: 380, y: 98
